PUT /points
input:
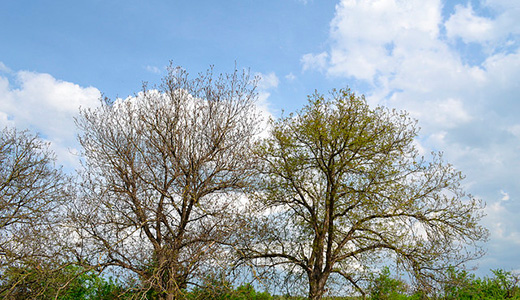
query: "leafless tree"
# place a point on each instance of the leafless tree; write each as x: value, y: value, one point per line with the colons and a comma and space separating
x: 343, y: 188
x: 32, y: 190
x: 163, y: 173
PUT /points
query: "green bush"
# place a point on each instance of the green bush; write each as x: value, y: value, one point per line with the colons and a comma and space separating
x: 384, y: 287
x: 465, y: 286
x: 64, y: 283
x: 217, y: 288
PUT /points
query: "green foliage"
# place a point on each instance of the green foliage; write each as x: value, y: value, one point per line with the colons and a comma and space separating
x: 224, y: 291
x: 459, y: 285
x: 350, y: 188
x: 462, y: 285
x: 383, y: 287
x: 66, y: 283
x: 71, y: 282
x: 215, y: 287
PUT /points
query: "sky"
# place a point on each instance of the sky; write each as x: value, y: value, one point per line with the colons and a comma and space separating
x: 453, y: 65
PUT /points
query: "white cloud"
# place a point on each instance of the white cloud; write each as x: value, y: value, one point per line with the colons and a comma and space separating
x: 266, y: 84
x: 501, y: 223
x: 265, y: 112
x: 290, y: 77
x: 515, y: 130
x: 503, y: 70
x: 370, y: 37
x: 47, y: 106
x: 494, y: 31
x: 468, y: 26
x: 4, y: 68
x: 396, y: 46
x: 267, y: 81
x: 506, y: 21
x: 153, y: 69
x: 314, y: 61
x: 440, y: 114
x: 505, y: 196
x: 467, y: 110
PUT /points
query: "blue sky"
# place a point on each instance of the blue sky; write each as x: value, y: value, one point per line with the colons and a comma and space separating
x: 454, y: 65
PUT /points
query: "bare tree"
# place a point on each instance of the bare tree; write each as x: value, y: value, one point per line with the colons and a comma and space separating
x: 163, y: 173
x: 31, y: 188
x: 31, y: 191
x: 343, y: 188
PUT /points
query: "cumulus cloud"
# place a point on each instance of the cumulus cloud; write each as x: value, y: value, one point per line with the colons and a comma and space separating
x: 468, y: 26
x: 397, y: 46
x: 369, y: 37
x: 47, y: 106
x: 415, y: 58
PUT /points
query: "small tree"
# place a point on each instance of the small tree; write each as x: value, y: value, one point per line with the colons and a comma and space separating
x: 161, y: 176
x: 383, y: 287
x: 342, y: 188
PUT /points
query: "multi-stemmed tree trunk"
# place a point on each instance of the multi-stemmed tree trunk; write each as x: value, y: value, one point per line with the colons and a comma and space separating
x: 343, y: 188
x: 163, y: 171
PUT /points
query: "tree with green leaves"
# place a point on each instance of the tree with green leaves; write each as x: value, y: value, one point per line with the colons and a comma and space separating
x: 343, y: 188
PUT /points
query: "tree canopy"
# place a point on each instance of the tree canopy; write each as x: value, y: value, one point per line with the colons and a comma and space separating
x: 32, y: 194
x: 160, y: 175
x: 31, y: 189
x: 343, y: 187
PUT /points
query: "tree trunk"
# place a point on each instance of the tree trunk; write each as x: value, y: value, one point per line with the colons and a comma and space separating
x: 317, y: 286
x: 169, y: 278
x: 170, y: 288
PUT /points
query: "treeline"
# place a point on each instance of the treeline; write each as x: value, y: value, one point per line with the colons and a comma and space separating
x: 74, y: 283
x: 185, y: 181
